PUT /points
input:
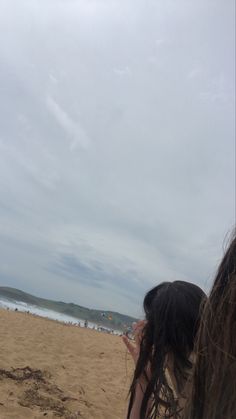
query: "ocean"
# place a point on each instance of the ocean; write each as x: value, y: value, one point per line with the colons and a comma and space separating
x: 39, y: 311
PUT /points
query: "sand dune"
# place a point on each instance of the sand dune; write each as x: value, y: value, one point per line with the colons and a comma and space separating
x: 51, y: 370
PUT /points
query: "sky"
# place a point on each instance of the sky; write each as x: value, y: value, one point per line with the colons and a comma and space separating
x: 117, y: 146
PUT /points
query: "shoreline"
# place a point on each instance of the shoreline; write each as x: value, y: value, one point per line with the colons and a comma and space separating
x: 62, y: 318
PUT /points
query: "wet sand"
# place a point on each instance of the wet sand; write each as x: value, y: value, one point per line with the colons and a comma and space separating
x: 52, y: 370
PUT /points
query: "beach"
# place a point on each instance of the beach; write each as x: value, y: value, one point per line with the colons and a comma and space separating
x: 49, y: 369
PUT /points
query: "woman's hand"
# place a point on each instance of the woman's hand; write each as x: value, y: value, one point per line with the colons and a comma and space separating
x: 134, y: 348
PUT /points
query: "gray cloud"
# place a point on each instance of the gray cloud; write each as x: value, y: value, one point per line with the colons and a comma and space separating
x: 116, y: 146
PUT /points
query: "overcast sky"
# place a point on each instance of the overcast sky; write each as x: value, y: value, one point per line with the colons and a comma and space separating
x: 116, y: 146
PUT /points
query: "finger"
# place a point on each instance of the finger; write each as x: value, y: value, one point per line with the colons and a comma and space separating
x: 128, y: 344
x: 138, y: 332
x: 134, y: 325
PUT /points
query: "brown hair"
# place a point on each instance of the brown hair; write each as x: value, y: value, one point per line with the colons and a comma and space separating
x: 213, y: 392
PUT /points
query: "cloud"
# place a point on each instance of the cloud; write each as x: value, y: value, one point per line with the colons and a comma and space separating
x: 95, y: 274
x: 160, y: 42
x: 195, y: 73
x: 77, y: 136
x: 53, y: 79
x: 126, y: 71
x: 116, y: 146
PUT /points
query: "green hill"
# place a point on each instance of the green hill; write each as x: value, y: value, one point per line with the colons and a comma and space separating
x: 109, y: 319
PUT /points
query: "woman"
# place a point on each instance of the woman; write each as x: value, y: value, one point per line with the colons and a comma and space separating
x: 163, y: 351
x: 213, y: 394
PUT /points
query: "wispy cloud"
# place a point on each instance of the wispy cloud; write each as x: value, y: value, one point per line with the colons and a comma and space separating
x: 160, y: 42
x: 53, y: 79
x: 121, y: 72
x: 76, y: 134
x: 195, y: 73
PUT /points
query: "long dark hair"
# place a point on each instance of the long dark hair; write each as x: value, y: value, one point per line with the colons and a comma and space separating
x: 213, y: 390
x: 172, y: 314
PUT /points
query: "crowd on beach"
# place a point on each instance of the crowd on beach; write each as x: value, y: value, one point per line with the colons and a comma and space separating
x: 184, y: 351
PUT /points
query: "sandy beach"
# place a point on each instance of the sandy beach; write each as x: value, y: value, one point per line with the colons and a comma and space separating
x: 51, y: 370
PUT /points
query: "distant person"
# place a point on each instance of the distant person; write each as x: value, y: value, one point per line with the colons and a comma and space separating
x: 163, y: 353
x: 213, y: 394
x: 86, y: 323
